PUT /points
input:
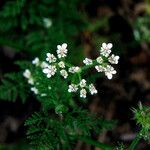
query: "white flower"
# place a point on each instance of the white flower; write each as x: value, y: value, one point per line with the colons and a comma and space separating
x: 62, y: 50
x: 31, y: 81
x: 47, y: 22
x: 50, y: 58
x: 110, y: 71
x: 100, y: 68
x: 49, y: 87
x: 50, y: 71
x: 72, y: 88
x: 83, y: 93
x: 106, y: 49
x: 99, y: 60
x: 74, y: 69
x: 113, y: 59
x: 44, y: 64
x: 92, y: 89
x: 82, y: 83
x: 43, y: 94
x: 36, y: 61
x: 61, y: 64
x: 64, y: 73
x: 35, y: 90
x: 27, y: 73
x: 87, y: 61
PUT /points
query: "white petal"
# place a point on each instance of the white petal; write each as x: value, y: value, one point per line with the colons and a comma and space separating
x: 69, y: 90
x: 59, y: 56
x: 48, y: 54
x: 109, y: 75
x: 117, y: 57
x: 109, y: 45
x: 48, y: 75
x: 64, y: 45
x: 114, y: 72
x: 58, y: 47
x: 104, y: 45
x: 45, y: 70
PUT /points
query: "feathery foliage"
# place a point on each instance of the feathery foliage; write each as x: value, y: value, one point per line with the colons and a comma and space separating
x: 13, y: 87
x: 26, y: 26
x: 142, y: 117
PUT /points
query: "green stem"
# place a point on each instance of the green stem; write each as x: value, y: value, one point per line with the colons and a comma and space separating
x: 79, y: 76
x: 86, y: 67
x: 95, y: 143
x: 68, y: 64
x: 135, y: 142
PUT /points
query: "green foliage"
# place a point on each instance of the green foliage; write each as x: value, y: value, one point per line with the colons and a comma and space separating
x: 142, y: 117
x: 141, y: 29
x: 13, y: 87
x: 65, y: 128
x: 26, y: 26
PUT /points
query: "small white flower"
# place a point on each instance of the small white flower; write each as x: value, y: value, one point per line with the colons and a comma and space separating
x: 35, y: 90
x: 110, y: 71
x: 50, y: 58
x: 92, y: 89
x: 27, y: 73
x: 43, y: 94
x: 36, y: 61
x: 61, y: 64
x: 100, y: 68
x: 87, y: 61
x: 106, y: 49
x: 82, y: 83
x: 47, y: 22
x: 50, y: 71
x: 99, y: 60
x: 64, y: 73
x: 113, y: 59
x: 83, y: 93
x: 49, y: 87
x: 31, y: 81
x: 74, y: 69
x: 44, y: 64
x: 72, y: 88
x: 62, y: 50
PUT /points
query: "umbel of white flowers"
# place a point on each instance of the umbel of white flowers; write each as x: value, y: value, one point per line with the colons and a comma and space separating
x: 82, y: 86
x: 53, y: 65
x: 101, y: 66
x: 27, y: 74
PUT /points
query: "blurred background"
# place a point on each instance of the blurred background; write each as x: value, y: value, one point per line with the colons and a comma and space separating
x: 30, y: 28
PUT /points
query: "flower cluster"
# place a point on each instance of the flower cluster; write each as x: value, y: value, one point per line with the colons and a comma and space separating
x: 53, y: 65
x: 74, y: 69
x: 83, y: 87
x: 27, y: 74
x: 87, y: 61
x: 105, y: 55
